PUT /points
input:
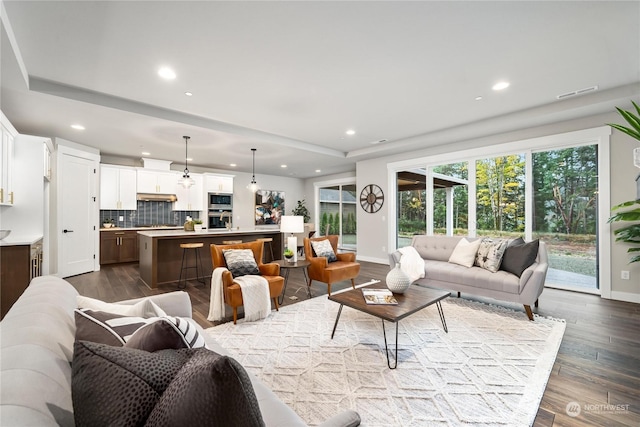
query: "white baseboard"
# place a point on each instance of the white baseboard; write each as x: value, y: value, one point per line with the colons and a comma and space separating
x: 371, y: 259
x: 625, y: 296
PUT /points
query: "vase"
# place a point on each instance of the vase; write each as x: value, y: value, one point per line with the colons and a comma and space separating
x: 397, y: 280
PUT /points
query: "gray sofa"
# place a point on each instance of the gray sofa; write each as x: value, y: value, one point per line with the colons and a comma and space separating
x: 501, y: 285
x: 38, y: 335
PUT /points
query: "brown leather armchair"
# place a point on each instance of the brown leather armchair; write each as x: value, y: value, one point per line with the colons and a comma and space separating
x: 344, y: 268
x: 232, y: 292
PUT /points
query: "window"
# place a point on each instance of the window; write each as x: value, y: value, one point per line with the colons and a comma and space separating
x: 337, y: 205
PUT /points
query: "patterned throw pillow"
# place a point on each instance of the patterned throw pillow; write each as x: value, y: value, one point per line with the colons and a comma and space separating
x: 151, y: 334
x: 240, y: 262
x: 125, y: 386
x: 324, y: 248
x: 490, y: 253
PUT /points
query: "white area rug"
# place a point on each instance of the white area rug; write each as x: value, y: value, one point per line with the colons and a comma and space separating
x: 490, y: 369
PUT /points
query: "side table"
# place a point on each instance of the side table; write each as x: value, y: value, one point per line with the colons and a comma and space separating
x: 287, y: 266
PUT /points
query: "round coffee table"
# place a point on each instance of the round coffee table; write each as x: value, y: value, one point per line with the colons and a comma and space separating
x: 287, y: 266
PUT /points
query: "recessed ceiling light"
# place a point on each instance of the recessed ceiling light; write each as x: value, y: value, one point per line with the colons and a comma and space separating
x: 500, y: 86
x: 478, y: 98
x: 233, y: 165
x: 188, y: 93
x: 283, y: 166
x: 189, y: 159
x: 167, y: 73
x: 77, y: 127
x: 146, y: 153
x: 318, y: 170
x: 350, y: 132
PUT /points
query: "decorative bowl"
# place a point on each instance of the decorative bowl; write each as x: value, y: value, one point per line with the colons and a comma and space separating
x: 4, y: 233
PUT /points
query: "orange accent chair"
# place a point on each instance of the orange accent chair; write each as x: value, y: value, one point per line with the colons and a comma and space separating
x: 345, y: 268
x: 232, y: 292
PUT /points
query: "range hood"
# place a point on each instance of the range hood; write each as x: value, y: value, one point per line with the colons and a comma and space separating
x: 154, y: 197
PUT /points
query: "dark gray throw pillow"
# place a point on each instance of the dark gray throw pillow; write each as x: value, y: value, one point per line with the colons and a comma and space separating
x: 240, y: 262
x: 517, y: 258
x: 124, y: 386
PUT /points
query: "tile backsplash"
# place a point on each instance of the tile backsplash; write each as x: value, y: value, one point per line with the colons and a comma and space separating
x: 148, y: 213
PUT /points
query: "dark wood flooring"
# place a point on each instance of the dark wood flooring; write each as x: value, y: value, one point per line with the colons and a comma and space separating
x: 598, y: 364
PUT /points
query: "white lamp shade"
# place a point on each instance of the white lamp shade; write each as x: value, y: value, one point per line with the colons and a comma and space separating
x: 291, y: 224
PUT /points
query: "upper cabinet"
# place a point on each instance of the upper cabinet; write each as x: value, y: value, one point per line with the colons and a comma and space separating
x: 117, y: 187
x: 192, y: 198
x: 6, y: 185
x: 218, y: 183
x: 159, y: 182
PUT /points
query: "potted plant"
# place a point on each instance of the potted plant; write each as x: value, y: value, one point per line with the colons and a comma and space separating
x: 631, y: 233
x: 197, y: 224
x: 301, y: 210
x: 108, y: 223
x: 288, y: 254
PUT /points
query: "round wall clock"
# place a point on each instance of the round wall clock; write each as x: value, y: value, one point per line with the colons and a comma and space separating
x: 371, y: 198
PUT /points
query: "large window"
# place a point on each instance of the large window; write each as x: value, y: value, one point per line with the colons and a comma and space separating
x: 551, y: 191
x: 338, y: 214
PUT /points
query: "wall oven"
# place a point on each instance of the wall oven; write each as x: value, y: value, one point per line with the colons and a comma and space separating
x: 219, y: 217
x: 220, y: 201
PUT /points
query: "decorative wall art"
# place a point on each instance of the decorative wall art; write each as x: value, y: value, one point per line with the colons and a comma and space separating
x: 269, y: 207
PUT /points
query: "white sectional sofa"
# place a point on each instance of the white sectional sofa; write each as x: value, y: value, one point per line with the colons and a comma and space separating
x: 37, y: 337
x: 501, y: 285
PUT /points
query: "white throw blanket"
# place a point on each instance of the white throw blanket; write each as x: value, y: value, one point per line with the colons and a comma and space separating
x: 411, y: 263
x: 255, y: 296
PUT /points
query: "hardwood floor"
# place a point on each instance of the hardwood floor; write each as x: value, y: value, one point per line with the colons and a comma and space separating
x: 598, y: 364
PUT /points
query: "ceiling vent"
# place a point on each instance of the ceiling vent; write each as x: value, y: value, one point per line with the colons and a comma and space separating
x: 380, y: 141
x: 577, y: 92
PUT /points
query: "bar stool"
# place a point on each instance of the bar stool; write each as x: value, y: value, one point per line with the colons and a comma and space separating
x: 264, y: 241
x: 231, y: 242
x: 185, y: 263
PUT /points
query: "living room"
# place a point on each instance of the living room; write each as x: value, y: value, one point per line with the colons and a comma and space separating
x: 483, y: 129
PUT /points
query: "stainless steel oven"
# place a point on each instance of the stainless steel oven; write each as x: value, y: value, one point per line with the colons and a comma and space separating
x: 220, y: 201
x: 219, y: 217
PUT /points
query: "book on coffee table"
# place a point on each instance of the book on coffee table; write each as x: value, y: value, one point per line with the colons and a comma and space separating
x: 379, y: 296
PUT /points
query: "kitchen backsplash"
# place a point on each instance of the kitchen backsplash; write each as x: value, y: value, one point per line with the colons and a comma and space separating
x: 148, y: 213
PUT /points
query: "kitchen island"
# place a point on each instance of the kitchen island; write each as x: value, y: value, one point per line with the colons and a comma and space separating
x: 161, y: 255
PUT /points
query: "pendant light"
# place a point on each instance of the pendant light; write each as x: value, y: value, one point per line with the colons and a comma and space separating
x: 254, y: 185
x: 186, y: 180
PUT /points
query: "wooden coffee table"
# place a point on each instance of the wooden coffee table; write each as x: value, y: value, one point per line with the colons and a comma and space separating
x: 414, y: 299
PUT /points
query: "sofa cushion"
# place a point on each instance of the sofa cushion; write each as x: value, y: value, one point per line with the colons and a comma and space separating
x: 144, y: 308
x: 323, y: 248
x: 490, y: 254
x: 517, y: 258
x: 446, y: 273
x: 240, y: 262
x: 152, y: 334
x: 465, y: 252
x: 124, y: 386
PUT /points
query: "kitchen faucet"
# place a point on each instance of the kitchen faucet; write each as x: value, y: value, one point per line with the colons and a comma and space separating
x: 227, y: 224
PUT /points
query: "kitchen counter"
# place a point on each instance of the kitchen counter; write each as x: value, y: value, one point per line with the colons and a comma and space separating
x: 177, y: 227
x: 20, y: 239
x: 161, y: 255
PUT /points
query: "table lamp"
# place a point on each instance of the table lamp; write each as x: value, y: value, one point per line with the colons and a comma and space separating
x: 292, y: 224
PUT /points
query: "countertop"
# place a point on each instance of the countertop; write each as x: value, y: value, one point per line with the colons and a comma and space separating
x: 20, y: 239
x: 217, y: 232
x: 178, y: 227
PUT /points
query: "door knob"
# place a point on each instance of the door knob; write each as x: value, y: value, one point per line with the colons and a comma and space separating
x: 67, y: 231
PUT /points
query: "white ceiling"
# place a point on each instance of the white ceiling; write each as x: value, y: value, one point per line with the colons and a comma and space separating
x: 289, y: 78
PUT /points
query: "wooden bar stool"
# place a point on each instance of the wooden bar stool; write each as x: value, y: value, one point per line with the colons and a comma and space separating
x: 185, y: 263
x: 267, y: 240
x: 231, y: 242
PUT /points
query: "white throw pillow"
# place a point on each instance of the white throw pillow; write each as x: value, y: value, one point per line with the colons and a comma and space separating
x: 465, y: 252
x: 145, y: 308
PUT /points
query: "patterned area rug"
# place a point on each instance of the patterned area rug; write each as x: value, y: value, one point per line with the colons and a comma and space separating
x: 490, y: 369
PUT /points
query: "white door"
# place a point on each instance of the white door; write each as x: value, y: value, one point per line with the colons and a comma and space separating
x: 78, y: 215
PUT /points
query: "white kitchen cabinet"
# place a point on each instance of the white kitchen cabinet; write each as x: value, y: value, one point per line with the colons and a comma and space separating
x: 117, y: 188
x: 219, y: 183
x: 6, y: 175
x: 157, y: 182
x: 192, y: 198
